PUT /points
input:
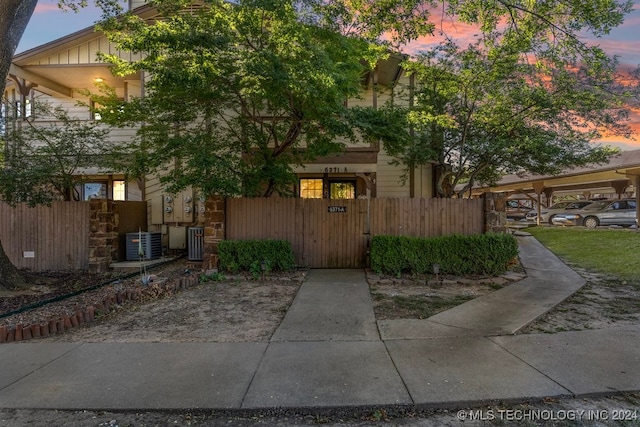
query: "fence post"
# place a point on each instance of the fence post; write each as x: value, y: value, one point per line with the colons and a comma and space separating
x: 495, y: 214
x: 214, y: 230
x: 103, y: 234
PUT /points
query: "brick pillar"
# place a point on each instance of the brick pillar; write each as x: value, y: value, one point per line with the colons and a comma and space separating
x: 103, y: 234
x: 495, y: 213
x: 214, y: 231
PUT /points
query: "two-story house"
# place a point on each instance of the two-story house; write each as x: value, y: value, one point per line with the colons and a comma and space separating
x: 57, y: 72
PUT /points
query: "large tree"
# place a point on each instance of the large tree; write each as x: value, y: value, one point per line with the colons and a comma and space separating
x: 14, y: 17
x: 237, y: 93
x: 479, y: 116
x: 528, y: 96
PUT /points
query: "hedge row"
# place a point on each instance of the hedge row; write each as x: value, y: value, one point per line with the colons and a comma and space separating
x: 250, y: 255
x: 485, y: 254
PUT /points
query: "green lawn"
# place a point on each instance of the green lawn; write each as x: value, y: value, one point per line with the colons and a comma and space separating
x: 611, y: 251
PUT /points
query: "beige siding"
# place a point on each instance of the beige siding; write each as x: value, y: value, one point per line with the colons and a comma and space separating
x: 133, y: 90
x: 388, y: 178
x: 136, y: 3
x: 423, y: 179
x: 85, y: 53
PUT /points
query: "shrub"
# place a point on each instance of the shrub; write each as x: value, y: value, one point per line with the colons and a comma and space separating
x: 484, y: 254
x: 249, y: 255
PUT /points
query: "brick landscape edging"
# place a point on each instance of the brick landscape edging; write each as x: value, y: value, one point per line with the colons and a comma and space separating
x: 88, y: 315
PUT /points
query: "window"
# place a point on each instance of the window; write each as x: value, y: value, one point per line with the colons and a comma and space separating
x: 311, y: 188
x: 95, y: 115
x: 94, y: 190
x: 27, y: 108
x: 3, y: 119
x: 342, y: 189
x: 113, y: 190
x: 119, y: 190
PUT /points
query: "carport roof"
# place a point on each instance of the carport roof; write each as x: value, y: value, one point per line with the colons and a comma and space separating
x: 618, y: 173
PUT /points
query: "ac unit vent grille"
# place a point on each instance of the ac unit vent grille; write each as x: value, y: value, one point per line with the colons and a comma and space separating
x: 151, y: 245
x: 195, y: 242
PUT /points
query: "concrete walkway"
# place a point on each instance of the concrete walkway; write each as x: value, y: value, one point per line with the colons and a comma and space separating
x: 549, y: 282
x: 329, y: 353
x: 331, y: 305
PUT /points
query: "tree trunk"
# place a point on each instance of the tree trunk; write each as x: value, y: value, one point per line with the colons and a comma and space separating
x: 10, y: 276
x: 14, y: 17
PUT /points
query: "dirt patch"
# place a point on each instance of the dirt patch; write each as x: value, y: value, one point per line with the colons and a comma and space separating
x: 221, y: 309
x: 411, y: 297
x: 232, y: 311
x: 601, y: 303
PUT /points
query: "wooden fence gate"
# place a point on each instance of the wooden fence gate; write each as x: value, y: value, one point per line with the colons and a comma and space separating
x: 335, y: 233
x: 323, y: 233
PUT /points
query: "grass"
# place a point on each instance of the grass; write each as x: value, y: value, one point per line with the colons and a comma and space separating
x: 615, y: 252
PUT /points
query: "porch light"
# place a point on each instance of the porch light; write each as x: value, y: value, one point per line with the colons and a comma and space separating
x: 98, y: 80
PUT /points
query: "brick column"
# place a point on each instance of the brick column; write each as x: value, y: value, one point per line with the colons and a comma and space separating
x: 495, y: 213
x: 214, y: 231
x: 103, y: 234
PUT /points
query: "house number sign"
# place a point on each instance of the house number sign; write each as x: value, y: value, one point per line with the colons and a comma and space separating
x: 337, y: 209
x: 336, y: 170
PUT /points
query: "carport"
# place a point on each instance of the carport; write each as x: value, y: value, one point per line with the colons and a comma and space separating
x: 620, y: 175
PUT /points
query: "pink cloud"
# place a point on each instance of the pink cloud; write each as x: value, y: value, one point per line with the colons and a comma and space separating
x: 46, y: 7
x: 626, y: 49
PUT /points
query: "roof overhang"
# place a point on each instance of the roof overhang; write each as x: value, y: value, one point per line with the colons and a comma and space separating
x: 66, y: 79
x: 616, y: 175
x: 387, y: 71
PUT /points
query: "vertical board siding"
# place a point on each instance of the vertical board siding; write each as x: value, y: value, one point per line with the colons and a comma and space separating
x: 57, y: 235
x: 323, y: 239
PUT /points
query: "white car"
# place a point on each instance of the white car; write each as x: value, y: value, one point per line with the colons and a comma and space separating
x: 547, y: 214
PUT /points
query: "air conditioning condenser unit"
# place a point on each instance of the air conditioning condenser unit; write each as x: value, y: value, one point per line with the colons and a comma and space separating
x: 149, y: 242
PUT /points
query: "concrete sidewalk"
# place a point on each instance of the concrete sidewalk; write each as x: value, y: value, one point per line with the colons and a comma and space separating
x: 549, y: 282
x: 328, y: 353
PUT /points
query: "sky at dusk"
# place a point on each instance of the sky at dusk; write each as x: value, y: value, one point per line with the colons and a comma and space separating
x: 49, y: 23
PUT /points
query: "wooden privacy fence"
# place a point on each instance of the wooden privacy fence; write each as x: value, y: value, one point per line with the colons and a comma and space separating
x: 46, y: 238
x: 69, y: 235
x: 335, y: 233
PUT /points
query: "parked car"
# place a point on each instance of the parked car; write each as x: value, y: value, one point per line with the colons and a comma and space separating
x: 517, y: 210
x: 608, y: 212
x: 547, y: 214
